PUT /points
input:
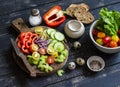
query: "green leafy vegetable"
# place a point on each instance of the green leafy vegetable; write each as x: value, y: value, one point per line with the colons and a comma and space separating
x: 109, y: 22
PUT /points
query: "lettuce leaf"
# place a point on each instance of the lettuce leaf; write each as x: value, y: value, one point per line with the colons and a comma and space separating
x: 109, y: 21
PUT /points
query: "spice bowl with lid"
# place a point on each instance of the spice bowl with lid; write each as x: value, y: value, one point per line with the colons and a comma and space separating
x: 95, y: 63
x: 74, y: 29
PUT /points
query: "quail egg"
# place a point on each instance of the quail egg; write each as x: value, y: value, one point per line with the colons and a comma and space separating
x: 77, y: 44
x: 71, y: 65
x: 80, y: 61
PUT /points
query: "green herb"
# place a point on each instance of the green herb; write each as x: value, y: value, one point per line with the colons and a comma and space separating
x: 109, y: 22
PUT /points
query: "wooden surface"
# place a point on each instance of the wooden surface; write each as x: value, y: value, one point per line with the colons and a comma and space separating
x: 12, y: 76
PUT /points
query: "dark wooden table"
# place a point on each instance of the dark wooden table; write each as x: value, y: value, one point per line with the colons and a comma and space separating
x: 11, y: 74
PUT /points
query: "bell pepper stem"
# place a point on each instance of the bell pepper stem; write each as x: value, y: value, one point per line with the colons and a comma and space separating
x: 64, y: 12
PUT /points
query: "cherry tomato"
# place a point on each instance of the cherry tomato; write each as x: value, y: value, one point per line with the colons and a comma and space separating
x: 119, y: 31
x: 115, y: 38
x: 94, y: 32
x: 118, y: 42
x: 107, y: 44
x: 50, y: 60
x: 106, y: 39
x: 42, y: 51
x: 101, y: 34
x: 99, y: 41
x: 113, y: 44
x: 33, y: 48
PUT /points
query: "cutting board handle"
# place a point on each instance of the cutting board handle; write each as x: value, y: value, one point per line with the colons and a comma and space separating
x: 19, y: 25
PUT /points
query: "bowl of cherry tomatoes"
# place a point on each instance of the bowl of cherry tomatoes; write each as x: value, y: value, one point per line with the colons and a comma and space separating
x: 104, y: 42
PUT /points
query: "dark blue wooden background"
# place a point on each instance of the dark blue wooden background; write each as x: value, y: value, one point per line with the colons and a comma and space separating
x: 12, y: 76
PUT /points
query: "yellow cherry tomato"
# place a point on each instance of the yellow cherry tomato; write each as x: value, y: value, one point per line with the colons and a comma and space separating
x: 115, y: 38
x: 99, y: 41
x: 101, y: 34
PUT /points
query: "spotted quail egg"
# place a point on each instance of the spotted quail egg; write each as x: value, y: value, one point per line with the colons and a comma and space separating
x: 80, y: 61
x: 71, y: 65
x: 77, y: 44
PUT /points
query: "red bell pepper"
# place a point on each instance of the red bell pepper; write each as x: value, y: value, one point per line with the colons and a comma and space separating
x: 54, y: 17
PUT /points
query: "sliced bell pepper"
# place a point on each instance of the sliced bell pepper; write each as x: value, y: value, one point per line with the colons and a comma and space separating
x: 54, y: 17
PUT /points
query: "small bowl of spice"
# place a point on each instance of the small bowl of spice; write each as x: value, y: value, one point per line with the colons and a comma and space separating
x: 95, y: 63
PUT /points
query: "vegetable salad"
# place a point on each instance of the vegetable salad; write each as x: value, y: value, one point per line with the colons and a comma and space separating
x: 43, y: 47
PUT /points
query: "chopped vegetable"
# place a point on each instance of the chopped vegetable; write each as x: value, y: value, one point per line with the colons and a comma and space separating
x: 25, y: 40
x: 33, y: 47
x: 50, y: 60
x: 59, y: 36
x: 60, y: 72
x: 59, y: 46
x: 42, y: 50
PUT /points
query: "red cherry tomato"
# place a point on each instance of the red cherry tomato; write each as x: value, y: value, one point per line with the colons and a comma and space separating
x: 118, y: 42
x: 113, y: 44
x: 107, y: 45
x: 50, y: 60
x: 106, y: 39
x: 95, y: 31
x: 42, y: 51
x: 119, y: 31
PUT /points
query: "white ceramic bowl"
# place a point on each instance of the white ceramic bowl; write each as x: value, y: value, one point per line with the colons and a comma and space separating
x: 100, y: 62
x: 100, y: 47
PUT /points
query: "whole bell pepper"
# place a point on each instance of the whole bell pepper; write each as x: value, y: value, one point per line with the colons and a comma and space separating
x: 54, y: 17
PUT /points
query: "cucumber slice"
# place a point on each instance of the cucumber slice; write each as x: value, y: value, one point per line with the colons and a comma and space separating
x: 60, y: 72
x: 65, y: 52
x: 50, y: 30
x: 59, y: 47
x: 52, y: 43
x: 52, y: 35
x: 59, y: 36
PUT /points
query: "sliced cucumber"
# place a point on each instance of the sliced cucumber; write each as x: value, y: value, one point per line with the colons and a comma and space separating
x: 52, y: 43
x: 52, y: 35
x: 50, y: 30
x: 65, y: 52
x: 59, y: 36
x: 59, y: 47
